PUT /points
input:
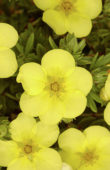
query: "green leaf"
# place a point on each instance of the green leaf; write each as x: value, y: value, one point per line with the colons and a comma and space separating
x: 29, y: 44
x: 20, y: 48
x: 91, y: 104
x: 103, y: 60
x: 52, y: 43
x: 41, y: 50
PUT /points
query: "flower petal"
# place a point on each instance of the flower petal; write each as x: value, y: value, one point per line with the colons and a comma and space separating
x: 103, y: 95
x: 8, y: 152
x: 96, y: 133
x: 8, y: 36
x: 54, y: 19
x: 89, y: 8
x: 44, y: 5
x: 71, y: 158
x: 22, y: 163
x: 8, y: 63
x: 49, y: 110
x: 107, y: 114
x: 21, y: 128
x: 32, y: 78
x: 46, y: 135
x: 71, y: 140
x: 51, y: 117
x: 58, y: 60
x: 28, y: 104
x: 81, y: 80
x: 48, y: 159
x: 32, y: 105
x: 75, y: 104
x: 79, y: 25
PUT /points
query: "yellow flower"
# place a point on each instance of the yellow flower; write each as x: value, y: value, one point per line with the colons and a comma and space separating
x: 29, y: 147
x: 73, y: 16
x: 55, y: 89
x: 88, y: 150
x: 8, y: 39
x: 105, y: 91
x: 103, y: 95
x: 107, y: 114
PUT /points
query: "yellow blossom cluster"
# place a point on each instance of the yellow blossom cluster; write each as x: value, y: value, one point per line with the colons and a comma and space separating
x: 54, y: 90
x: 29, y: 148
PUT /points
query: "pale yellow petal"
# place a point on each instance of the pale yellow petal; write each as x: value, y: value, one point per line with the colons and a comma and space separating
x: 58, y: 60
x: 75, y: 104
x: 79, y: 25
x: 28, y: 104
x: 8, y: 152
x: 22, y: 163
x: 21, y: 128
x: 103, y: 95
x: 8, y: 63
x: 47, y: 4
x: 56, y: 20
x: 51, y: 117
x: 71, y: 158
x: 71, y: 140
x: 8, y: 36
x: 32, y: 78
x: 46, y: 135
x: 81, y: 79
x: 107, y: 114
x: 35, y: 105
x: 89, y: 8
x: 48, y: 159
x: 96, y: 133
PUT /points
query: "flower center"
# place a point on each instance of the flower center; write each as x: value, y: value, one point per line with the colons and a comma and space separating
x: 28, y: 149
x: 67, y: 5
x: 90, y: 156
x: 54, y: 86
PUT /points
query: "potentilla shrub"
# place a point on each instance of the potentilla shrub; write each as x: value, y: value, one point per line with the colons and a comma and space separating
x: 55, y: 85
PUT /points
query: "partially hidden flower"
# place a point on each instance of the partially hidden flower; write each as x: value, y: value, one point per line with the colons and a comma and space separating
x: 105, y: 91
x: 55, y: 89
x: 8, y: 39
x: 107, y: 114
x: 29, y: 147
x: 73, y: 16
x: 88, y: 150
x: 105, y: 95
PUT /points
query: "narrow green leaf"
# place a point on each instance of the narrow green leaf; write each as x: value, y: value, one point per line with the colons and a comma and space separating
x: 52, y: 43
x: 29, y: 44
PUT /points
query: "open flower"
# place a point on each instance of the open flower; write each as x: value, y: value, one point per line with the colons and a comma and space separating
x: 55, y: 89
x: 73, y: 16
x: 29, y: 147
x: 8, y: 39
x: 88, y: 150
